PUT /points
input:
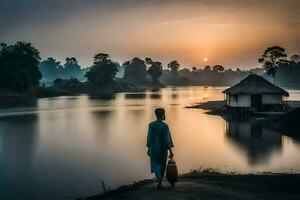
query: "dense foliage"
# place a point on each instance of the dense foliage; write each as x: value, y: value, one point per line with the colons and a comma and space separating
x: 52, y: 69
x: 21, y: 71
x: 155, y: 70
x: 103, y: 70
x: 174, y: 67
x: 136, y: 71
x: 19, y: 67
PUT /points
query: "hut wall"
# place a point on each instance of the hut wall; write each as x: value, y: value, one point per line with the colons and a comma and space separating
x: 240, y: 100
x: 272, y: 99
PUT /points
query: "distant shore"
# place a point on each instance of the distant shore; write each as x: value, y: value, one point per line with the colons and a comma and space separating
x: 16, y: 99
x: 212, y: 186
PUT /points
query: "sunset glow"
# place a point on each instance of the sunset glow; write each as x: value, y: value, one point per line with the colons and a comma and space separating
x: 228, y: 32
x: 149, y: 99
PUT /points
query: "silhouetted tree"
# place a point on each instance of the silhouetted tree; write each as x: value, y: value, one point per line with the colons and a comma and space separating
x: 194, y: 69
x: 135, y: 71
x: 51, y: 69
x: 218, y: 68
x: 149, y: 61
x: 185, y: 71
x: 174, y: 67
x: 19, y: 67
x: 272, y: 58
x: 155, y: 70
x: 72, y: 68
x: 103, y: 70
x: 295, y: 58
x: 125, y: 63
x: 207, y: 68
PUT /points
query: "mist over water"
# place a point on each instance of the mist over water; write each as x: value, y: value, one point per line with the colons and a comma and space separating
x: 61, y: 147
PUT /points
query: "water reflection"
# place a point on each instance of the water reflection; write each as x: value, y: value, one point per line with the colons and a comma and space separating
x: 16, y: 143
x: 155, y: 96
x: 174, y: 96
x: 101, y: 121
x: 102, y: 96
x: 258, y: 142
x: 60, y: 148
x: 135, y: 96
x: 17, y: 148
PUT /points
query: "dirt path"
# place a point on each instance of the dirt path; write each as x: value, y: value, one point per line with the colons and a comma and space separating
x: 213, y: 187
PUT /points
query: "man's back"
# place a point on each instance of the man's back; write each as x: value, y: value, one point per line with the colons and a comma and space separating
x: 159, y: 138
x: 159, y: 141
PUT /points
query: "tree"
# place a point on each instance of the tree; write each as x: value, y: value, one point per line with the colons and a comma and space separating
x: 155, y: 70
x: 50, y: 69
x: 103, y: 70
x: 72, y: 68
x: 272, y: 58
x: 135, y: 70
x: 218, y: 68
x: 207, y: 68
x: 19, y: 67
x: 174, y: 66
x: 295, y: 58
x: 194, y: 69
x: 149, y: 61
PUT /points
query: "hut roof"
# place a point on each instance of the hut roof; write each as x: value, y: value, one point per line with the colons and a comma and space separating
x: 255, y: 84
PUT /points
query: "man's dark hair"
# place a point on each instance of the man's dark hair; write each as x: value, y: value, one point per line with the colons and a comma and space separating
x: 159, y: 112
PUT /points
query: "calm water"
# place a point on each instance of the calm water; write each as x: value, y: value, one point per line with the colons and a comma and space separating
x: 60, y: 148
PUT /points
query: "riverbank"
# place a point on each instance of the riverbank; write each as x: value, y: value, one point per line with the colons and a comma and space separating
x: 219, y: 107
x: 209, y: 105
x: 214, y: 105
x: 212, y: 186
x: 10, y: 99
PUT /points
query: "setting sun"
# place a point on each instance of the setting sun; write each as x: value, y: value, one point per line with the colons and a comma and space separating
x: 144, y: 99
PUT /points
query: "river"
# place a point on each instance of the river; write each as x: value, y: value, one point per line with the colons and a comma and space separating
x: 62, y: 147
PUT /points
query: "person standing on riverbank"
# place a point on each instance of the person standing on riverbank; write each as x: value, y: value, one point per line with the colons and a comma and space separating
x: 159, y: 142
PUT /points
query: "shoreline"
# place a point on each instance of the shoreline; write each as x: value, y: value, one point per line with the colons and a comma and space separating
x: 208, y: 105
x: 214, y: 105
x: 212, y: 185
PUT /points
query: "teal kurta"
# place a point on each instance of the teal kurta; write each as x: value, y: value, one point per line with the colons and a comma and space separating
x: 159, y: 140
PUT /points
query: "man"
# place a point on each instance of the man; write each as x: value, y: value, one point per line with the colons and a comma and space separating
x: 159, y: 142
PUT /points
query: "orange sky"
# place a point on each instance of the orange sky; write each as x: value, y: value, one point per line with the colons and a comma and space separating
x: 229, y: 32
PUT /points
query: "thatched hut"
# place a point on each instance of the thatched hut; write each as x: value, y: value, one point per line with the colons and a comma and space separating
x: 255, y: 93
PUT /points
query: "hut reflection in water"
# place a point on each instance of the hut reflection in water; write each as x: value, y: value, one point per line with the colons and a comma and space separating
x: 250, y: 135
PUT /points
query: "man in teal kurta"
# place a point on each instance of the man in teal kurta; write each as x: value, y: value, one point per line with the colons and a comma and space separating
x: 159, y: 142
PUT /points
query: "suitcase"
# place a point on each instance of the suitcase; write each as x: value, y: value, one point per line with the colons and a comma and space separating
x: 172, y: 172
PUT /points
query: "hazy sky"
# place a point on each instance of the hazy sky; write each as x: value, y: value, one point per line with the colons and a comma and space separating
x: 229, y: 32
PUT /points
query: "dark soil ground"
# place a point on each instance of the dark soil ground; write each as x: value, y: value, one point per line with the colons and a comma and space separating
x: 213, y: 187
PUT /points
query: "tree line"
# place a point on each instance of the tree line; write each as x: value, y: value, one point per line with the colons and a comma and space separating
x: 22, y: 70
x: 52, y: 69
